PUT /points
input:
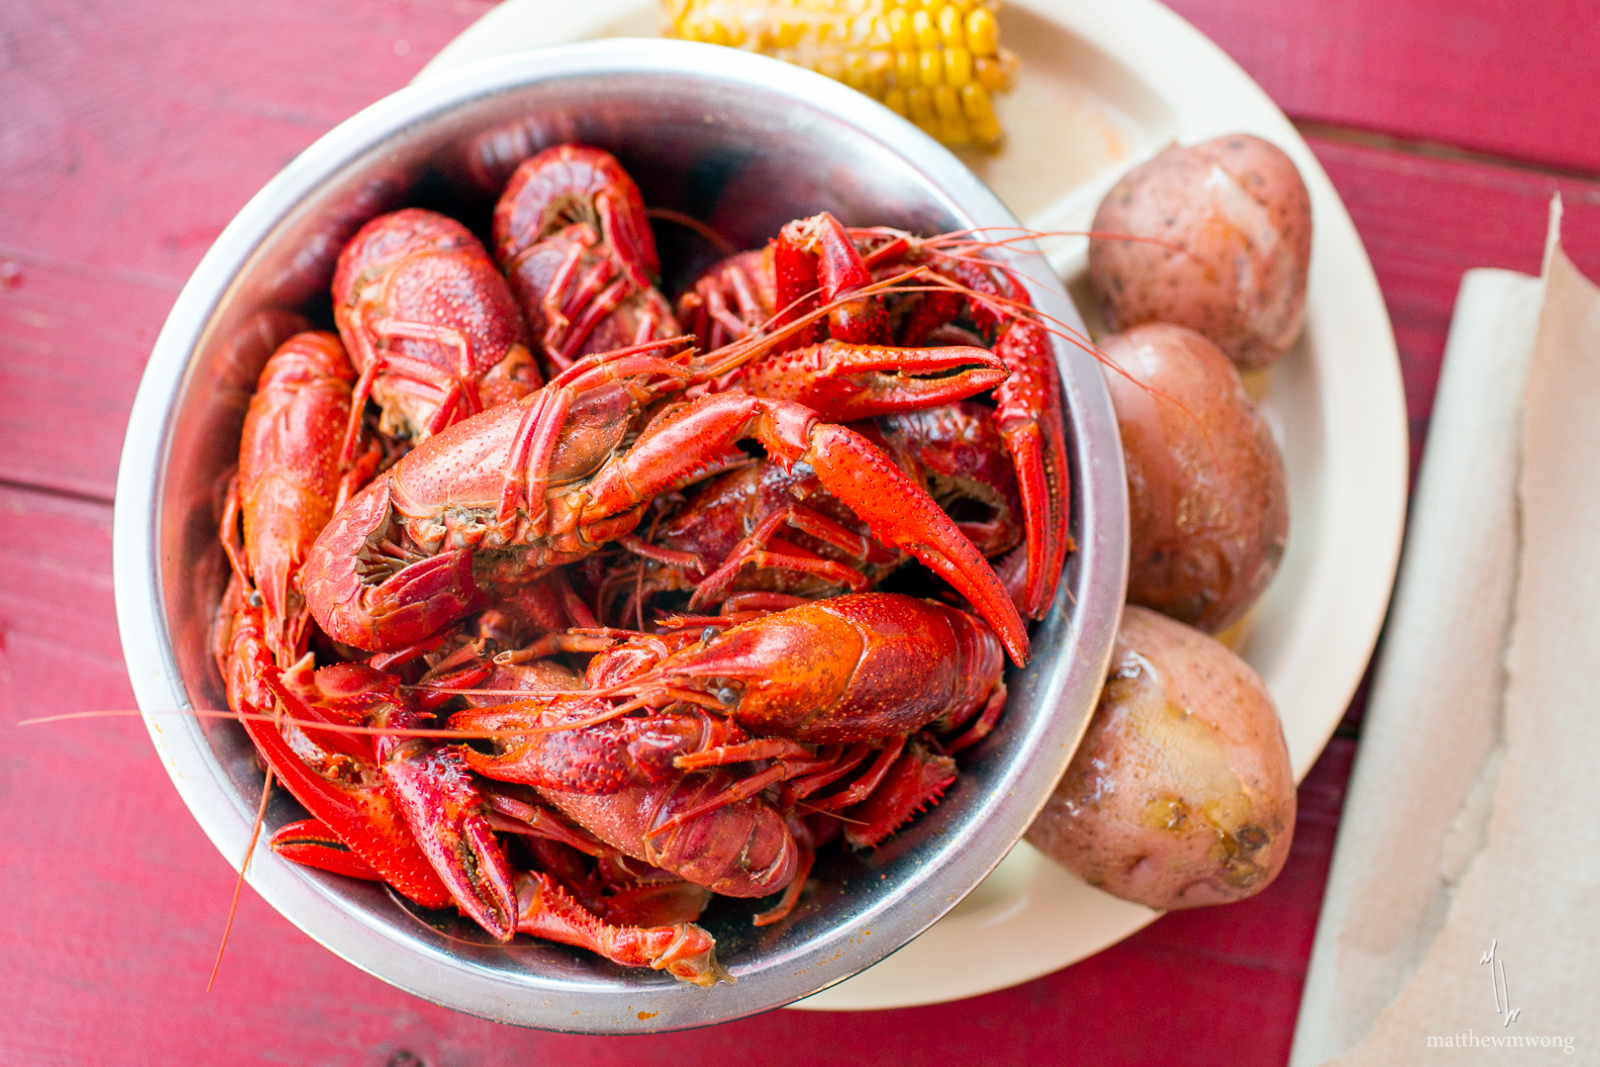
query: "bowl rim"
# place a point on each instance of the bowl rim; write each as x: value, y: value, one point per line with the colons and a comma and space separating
x: 532, y: 1000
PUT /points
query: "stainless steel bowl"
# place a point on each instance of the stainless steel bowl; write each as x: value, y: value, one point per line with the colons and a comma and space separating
x: 746, y: 143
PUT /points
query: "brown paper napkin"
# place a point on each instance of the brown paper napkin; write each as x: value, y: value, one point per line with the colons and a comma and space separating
x: 1472, y: 828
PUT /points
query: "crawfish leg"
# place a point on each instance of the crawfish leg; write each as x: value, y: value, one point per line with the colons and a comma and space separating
x: 984, y: 723
x: 596, y: 308
x: 791, y: 893
x: 684, y: 951
x: 755, y: 549
x: 462, y: 388
x: 527, y: 465
x: 918, y: 778
x: 417, y: 371
x: 449, y: 818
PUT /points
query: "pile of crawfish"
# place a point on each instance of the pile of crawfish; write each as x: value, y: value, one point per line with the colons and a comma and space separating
x: 536, y: 595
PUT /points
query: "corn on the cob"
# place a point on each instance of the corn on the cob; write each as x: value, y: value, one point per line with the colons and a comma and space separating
x: 937, y: 62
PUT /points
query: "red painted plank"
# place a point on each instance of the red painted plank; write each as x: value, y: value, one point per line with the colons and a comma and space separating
x: 116, y: 904
x: 1514, y: 79
x: 73, y: 343
x: 1426, y: 221
x: 134, y: 131
x: 130, y: 133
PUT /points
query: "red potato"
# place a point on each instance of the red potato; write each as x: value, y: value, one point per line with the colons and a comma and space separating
x: 1181, y: 794
x: 1208, y: 498
x: 1228, y: 224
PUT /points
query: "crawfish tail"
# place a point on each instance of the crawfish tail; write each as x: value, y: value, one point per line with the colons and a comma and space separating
x: 743, y: 849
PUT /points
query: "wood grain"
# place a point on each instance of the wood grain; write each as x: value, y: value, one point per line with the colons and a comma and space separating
x: 132, y: 131
x: 1499, y: 76
x: 1425, y: 221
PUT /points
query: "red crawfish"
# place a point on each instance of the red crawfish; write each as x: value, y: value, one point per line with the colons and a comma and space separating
x: 406, y: 810
x: 499, y: 500
x: 403, y: 816
x: 827, y: 334
x: 573, y: 237
x: 290, y: 481
x: 430, y: 324
x: 817, y: 261
x: 825, y: 694
x: 330, y: 774
x: 1029, y: 408
x: 760, y: 528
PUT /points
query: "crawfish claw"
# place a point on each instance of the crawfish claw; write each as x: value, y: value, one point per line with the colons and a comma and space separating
x: 408, y: 605
x: 846, y: 382
x: 448, y: 817
x: 684, y: 950
x: 312, y: 843
x: 899, y: 514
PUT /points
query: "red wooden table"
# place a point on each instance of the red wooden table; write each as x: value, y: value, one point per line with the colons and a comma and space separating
x: 131, y: 131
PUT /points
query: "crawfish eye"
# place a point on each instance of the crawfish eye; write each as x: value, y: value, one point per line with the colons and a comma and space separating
x: 707, y: 635
x: 253, y: 598
x: 728, y: 695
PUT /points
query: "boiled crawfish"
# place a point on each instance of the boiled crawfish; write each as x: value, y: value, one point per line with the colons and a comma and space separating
x: 502, y: 498
x: 430, y: 323
x: 817, y: 261
x: 573, y: 237
x: 762, y: 528
x: 823, y: 691
x: 714, y: 755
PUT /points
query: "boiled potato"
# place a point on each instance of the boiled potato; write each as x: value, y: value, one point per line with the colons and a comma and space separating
x: 1227, y: 229
x: 1181, y: 794
x: 1208, y: 500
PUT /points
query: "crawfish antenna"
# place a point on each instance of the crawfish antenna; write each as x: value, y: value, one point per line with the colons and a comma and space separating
x: 249, y: 850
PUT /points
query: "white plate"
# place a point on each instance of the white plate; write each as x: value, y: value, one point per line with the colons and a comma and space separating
x: 1103, y: 87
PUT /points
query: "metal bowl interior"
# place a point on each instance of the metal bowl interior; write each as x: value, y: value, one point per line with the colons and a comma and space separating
x: 746, y: 144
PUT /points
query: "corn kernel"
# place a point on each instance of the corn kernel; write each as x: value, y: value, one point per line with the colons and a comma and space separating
x: 926, y: 32
x: 983, y: 32
x: 950, y: 26
x: 905, y: 69
x: 930, y: 68
x: 952, y: 124
x: 986, y: 70
x: 1008, y: 66
x: 900, y: 32
x: 920, y: 105
x: 979, y: 110
x: 957, y: 66
x: 895, y: 100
